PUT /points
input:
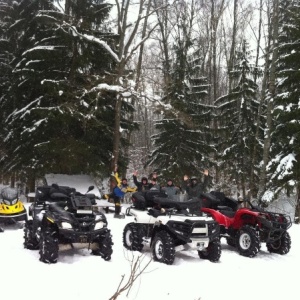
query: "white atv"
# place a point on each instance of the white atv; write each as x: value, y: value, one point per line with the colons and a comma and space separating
x: 168, y: 226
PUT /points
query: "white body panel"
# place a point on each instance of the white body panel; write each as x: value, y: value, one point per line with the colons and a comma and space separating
x: 142, y: 217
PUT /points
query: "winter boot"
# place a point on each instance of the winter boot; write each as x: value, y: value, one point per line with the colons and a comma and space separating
x: 118, y: 211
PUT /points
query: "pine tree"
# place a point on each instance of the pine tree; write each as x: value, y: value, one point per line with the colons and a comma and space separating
x: 284, y: 167
x: 58, y: 123
x: 237, y: 121
x: 181, y: 145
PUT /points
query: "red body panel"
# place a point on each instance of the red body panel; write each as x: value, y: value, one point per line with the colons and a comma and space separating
x: 242, y: 216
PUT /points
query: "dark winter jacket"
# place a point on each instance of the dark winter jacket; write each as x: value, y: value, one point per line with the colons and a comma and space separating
x: 171, y: 191
x: 140, y: 186
x: 195, y: 190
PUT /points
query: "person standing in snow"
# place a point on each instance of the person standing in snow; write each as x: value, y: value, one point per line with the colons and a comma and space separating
x: 119, y: 188
x: 193, y: 187
x: 142, y: 185
x: 122, y: 183
x: 116, y: 195
x: 171, y: 190
x: 154, y: 185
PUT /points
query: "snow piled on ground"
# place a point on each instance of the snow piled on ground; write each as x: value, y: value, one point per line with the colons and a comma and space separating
x: 78, y: 275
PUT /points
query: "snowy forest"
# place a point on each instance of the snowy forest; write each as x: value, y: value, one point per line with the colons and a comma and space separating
x: 153, y: 85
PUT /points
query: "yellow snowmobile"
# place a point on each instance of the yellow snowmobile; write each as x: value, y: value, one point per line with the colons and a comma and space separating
x: 12, y: 210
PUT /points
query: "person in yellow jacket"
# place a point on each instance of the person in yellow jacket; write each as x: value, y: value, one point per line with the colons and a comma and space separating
x: 123, y: 184
x: 120, y: 188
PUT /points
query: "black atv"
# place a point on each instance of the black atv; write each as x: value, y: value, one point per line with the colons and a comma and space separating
x: 61, y: 218
x: 169, y: 226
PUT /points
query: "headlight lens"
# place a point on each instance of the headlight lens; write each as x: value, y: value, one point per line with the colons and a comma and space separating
x: 100, y: 218
x: 99, y: 225
x: 66, y: 225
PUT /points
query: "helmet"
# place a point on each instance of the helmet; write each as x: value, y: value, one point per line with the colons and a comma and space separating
x: 193, y: 178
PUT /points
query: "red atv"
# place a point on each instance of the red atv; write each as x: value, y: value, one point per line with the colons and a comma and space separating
x: 246, y: 228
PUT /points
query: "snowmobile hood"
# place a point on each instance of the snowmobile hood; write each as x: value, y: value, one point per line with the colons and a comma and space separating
x: 12, y: 210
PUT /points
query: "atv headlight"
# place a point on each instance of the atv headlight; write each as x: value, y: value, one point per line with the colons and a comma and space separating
x: 66, y: 225
x: 6, y: 202
x: 100, y: 217
x: 99, y: 225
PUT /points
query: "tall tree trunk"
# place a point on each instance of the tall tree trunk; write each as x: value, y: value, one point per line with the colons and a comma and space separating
x: 13, y: 180
x: 213, y: 75
x: 125, y: 41
x: 262, y: 98
x: 215, y: 18
x: 258, y: 39
x: 233, y: 46
x: 297, y: 207
x: 270, y: 98
x: 138, y: 72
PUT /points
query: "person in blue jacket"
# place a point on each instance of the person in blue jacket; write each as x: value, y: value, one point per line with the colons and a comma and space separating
x: 117, y: 195
x: 119, y: 189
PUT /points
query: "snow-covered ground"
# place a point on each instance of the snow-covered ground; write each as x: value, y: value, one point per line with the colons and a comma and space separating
x: 79, y: 276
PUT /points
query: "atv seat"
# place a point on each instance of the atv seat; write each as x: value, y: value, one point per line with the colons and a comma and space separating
x: 222, y: 207
x: 228, y: 213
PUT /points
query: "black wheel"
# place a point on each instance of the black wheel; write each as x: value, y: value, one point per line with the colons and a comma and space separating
x: 247, y: 241
x: 104, y: 247
x: 30, y: 241
x: 212, y: 252
x: 231, y: 241
x: 48, y: 246
x: 163, y: 248
x: 281, y: 246
x: 133, y: 237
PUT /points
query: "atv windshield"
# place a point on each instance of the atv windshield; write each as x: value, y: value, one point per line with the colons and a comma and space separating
x: 9, y: 195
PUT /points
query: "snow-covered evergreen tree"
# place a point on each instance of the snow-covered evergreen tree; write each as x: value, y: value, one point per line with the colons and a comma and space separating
x: 237, y: 121
x: 57, y: 122
x: 284, y: 167
x: 181, y: 145
x: 6, y: 55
